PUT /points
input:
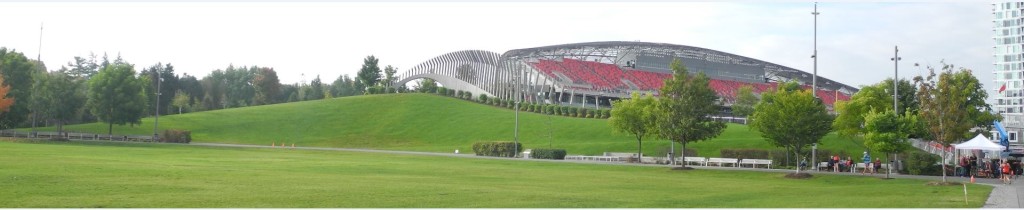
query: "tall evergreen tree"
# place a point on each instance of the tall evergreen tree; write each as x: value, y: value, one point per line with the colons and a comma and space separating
x: 369, y: 74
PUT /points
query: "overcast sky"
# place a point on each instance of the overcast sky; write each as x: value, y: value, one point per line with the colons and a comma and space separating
x: 855, y: 40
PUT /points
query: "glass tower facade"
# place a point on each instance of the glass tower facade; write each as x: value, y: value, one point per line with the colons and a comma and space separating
x: 1008, y: 68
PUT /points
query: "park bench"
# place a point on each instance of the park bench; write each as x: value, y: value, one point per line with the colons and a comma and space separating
x: 754, y: 162
x: 722, y: 161
x: 701, y: 161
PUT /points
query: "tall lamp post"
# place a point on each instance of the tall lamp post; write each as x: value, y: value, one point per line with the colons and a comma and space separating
x: 895, y: 96
x: 156, y: 120
x: 814, y: 80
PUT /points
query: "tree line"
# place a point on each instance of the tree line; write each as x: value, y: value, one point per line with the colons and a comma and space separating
x: 942, y: 106
x: 98, y: 89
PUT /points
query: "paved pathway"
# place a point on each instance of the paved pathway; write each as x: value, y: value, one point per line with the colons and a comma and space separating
x: 1002, y: 196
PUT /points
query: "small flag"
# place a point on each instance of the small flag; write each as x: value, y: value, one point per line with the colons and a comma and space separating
x: 1002, y: 88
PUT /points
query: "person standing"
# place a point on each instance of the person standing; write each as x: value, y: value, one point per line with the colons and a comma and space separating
x: 972, y: 166
x: 867, y: 163
x: 1005, y: 169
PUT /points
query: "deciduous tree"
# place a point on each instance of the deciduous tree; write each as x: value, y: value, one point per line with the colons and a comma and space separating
x: 791, y: 118
x: 116, y: 96
x: 685, y: 107
x: 745, y: 101
x: 634, y: 116
x: 369, y: 74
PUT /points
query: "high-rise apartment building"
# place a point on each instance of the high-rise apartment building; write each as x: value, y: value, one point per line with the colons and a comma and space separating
x: 1008, y: 37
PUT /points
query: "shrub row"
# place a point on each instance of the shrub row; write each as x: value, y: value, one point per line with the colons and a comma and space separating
x: 549, y: 109
x: 497, y: 148
x: 554, y: 154
x: 176, y: 136
x: 920, y: 163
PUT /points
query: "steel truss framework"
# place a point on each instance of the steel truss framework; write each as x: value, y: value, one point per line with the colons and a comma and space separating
x: 498, y: 75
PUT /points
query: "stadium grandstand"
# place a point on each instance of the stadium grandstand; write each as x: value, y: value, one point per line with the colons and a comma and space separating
x: 595, y: 73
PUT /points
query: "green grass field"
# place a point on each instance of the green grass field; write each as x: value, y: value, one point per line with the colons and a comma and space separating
x: 83, y: 174
x: 424, y: 122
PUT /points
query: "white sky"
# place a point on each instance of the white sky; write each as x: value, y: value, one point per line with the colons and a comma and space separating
x: 855, y: 40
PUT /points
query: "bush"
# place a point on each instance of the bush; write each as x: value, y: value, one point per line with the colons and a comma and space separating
x: 496, y: 102
x: 554, y: 154
x: 919, y: 163
x: 573, y: 111
x: 746, y: 153
x: 564, y: 109
x: 590, y: 113
x: 441, y: 90
x: 497, y: 148
x: 483, y: 98
x: 451, y: 92
x: 458, y: 94
x: 390, y: 90
x: 607, y: 113
x: 176, y: 136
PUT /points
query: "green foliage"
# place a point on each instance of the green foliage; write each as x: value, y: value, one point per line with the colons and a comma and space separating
x: 554, y: 154
x: 919, y: 163
x: 426, y: 85
x: 176, y: 136
x: 953, y: 105
x: 389, y: 77
x: 886, y: 132
x: 746, y: 153
x: 573, y: 111
x: 684, y: 109
x: 792, y: 119
x: 878, y: 97
x: 116, y: 96
x: 266, y: 85
x: 497, y: 148
x: 483, y: 98
x: 635, y: 116
x: 590, y: 113
x: 441, y: 90
x: 369, y: 73
x: 450, y: 92
x: 56, y: 96
x: 17, y: 71
x: 316, y: 89
x: 745, y: 101
x: 181, y: 102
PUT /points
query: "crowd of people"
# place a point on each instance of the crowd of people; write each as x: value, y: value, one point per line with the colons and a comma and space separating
x: 837, y: 164
x: 1003, y: 169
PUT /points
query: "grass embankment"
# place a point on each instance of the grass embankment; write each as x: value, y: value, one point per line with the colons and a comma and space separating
x: 424, y: 122
x: 90, y: 174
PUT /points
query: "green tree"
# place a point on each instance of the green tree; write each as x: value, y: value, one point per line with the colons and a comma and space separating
x: 685, y: 108
x: 316, y: 90
x: 116, y: 96
x: 369, y: 74
x: 56, y: 97
x: 182, y: 101
x: 426, y: 85
x: 886, y: 132
x: 850, y: 121
x: 389, y: 75
x: 343, y: 86
x: 792, y: 119
x: 745, y: 101
x: 634, y: 116
x: 83, y: 67
x: 267, y: 86
x: 951, y: 106
x: 16, y: 70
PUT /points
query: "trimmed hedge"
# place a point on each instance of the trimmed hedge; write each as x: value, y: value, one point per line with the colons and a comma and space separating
x: 483, y: 98
x: 497, y: 148
x: 554, y: 154
x: 919, y: 163
x: 746, y: 153
x: 176, y: 136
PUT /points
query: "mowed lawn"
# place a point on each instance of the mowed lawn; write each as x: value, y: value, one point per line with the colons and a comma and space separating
x: 425, y: 122
x: 96, y: 174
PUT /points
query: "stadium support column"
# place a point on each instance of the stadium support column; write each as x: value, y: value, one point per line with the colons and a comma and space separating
x: 571, y: 94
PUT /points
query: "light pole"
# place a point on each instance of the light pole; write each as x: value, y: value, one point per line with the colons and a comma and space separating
x: 895, y: 79
x: 156, y: 120
x: 814, y: 80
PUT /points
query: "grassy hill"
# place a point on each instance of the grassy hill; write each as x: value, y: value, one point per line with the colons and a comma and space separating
x: 125, y: 175
x: 424, y: 122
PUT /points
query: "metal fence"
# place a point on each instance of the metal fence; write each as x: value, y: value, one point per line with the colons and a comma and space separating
x: 74, y: 136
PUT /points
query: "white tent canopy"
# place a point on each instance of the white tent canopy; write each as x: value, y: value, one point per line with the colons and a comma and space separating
x: 980, y: 142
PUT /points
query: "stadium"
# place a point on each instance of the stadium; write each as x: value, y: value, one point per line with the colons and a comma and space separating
x: 594, y: 73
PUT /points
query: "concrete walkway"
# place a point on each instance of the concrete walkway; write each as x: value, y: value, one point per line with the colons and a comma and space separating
x: 1002, y: 196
